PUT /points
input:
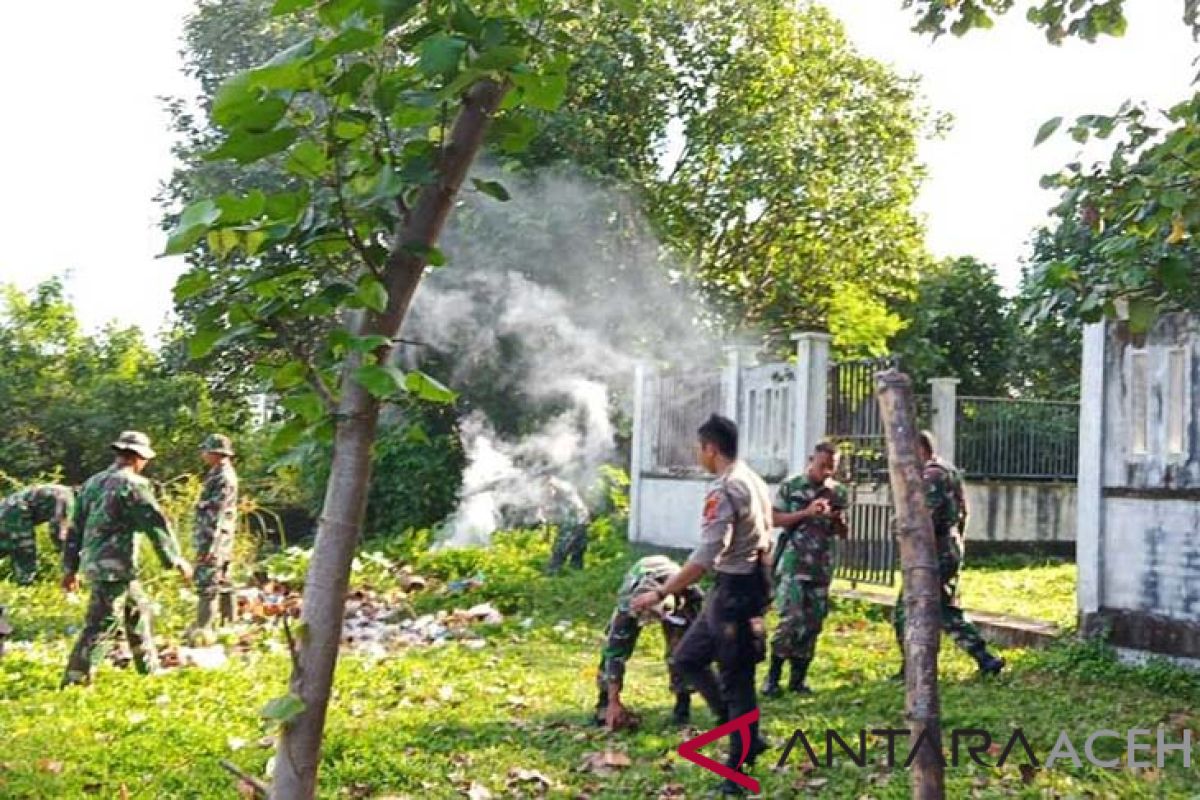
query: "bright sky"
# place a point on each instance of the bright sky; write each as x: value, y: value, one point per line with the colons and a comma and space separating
x: 85, y: 143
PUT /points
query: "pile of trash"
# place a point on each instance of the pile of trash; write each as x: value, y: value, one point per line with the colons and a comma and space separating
x: 377, y: 629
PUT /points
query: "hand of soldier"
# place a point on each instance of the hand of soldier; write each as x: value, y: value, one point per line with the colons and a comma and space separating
x: 70, y: 583
x: 819, y: 508
x: 616, y: 716
x: 185, y: 570
x: 643, y: 602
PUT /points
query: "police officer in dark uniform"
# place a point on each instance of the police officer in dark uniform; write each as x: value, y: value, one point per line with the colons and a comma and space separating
x: 735, y: 544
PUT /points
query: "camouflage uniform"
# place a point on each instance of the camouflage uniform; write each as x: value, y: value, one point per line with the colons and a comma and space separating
x: 21, y: 513
x: 804, y: 567
x: 113, y: 505
x: 948, y: 508
x: 570, y: 515
x: 216, y: 524
x: 676, y: 616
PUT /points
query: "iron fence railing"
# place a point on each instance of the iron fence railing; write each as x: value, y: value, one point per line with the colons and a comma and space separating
x: 870, y: 553
x: 682, y: 403
x: 1017, y: 439
x: 853, y: 419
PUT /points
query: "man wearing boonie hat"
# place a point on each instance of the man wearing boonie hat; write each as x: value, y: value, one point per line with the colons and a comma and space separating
x: 114, y: 505
x: 216, y: 524
x: 675, y: 612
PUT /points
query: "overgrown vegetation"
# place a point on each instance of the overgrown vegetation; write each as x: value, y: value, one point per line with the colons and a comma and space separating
x: 433, y: 722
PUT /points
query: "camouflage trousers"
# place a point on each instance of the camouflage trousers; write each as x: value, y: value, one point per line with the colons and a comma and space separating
x: 803, y: 606
x: 100, y: 626
x: 569, y: 545
x: 954, y: 622
x: 21, y: 546
x: 212, y: 584
x: 623, y: 632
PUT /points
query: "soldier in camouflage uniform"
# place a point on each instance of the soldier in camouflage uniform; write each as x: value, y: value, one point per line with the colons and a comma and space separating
x: 947, y: 506
x: 216, y: 524
x: 114, y: 505
x: 811, y: 508
x: 569, y: 514
x: 22, y: 512
x: 675, y: 612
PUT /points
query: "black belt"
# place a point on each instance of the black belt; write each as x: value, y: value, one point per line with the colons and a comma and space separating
x: 749, y: 582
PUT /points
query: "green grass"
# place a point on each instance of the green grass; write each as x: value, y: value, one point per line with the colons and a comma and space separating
x: 430, y: 722
x: 1037, y: 588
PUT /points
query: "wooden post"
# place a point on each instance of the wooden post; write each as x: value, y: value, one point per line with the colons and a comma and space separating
x: 919, y: 565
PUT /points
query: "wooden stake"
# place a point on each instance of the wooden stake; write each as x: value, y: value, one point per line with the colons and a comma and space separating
x: 922, y: 598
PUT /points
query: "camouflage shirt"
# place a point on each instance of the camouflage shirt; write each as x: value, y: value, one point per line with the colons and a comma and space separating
x: 49, y: 503
x: 114, y: 505
x: 805, y: 551
x: 216, y: 515
x: 565, y: 507
x: 648, y: 574
x: 944, y: 497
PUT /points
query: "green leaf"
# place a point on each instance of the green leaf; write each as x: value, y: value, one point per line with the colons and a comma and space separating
x: 394, y: 11
x: 282, y: 7
x: 381, y: 380
x: 372, y: 294
x: 288, y: 436
x: 351, y: 125
x: 236, y: 210
x: 202, y: 342
x: 223, y: 241
x: 369, y: 344
x: 492, y: 189
x: 430, y: 255
x: 464, y: 19
x: 542, y: 91
x: 307, y: 405
x: 426, y: 388
x: 1047, y: 130
x: 440, y: 55
x: 351, y: 81
x: 1142, y: 313
x: 500, y: 58
x: 334, y: 12
x: 1176, y: 274
x: 307, y: 160
x: 513, y: 133
x: 289, y: 376
x: 246, y: 148
x: 192, y: 284
x: 351, y: 40
x: 193, y: 223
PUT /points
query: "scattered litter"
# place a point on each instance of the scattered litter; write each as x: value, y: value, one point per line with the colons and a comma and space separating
x: 466, y: 584
x: 212, y: 657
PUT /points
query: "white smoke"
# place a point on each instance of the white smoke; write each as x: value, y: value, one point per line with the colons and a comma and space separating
x: 548, y: 315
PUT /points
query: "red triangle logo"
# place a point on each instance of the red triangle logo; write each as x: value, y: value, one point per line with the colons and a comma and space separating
x: 690, y: 750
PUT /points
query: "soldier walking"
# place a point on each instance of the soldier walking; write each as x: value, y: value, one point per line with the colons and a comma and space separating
x: 735, y: 543
x: 22, y: 512
x: 676, y: 613
x: 811, y: 508
x: 215, y: 527
x: 569, y: 514
x: 947, y: 504
x: 113, y: 506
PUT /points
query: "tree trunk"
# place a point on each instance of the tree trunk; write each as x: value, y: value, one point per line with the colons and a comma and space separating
x: 919, y: 565
x: 299, y: 752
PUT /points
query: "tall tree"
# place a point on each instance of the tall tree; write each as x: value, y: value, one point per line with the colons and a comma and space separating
x: 377, y: 117
x: 960, y: 325
x: 1123, y: 229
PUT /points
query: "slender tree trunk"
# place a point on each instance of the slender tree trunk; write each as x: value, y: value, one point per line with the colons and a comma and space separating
x: 919, y: 564
x: 299, y: 752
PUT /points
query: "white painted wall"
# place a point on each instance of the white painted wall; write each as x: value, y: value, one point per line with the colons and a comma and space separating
x: 1008, y: 511
x: 1154, y: 562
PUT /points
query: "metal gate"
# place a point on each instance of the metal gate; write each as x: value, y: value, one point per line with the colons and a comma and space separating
x: 853, y: 421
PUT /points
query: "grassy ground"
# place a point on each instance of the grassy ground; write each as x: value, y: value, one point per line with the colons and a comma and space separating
x: 1037, y: 588
x: 436, y: 722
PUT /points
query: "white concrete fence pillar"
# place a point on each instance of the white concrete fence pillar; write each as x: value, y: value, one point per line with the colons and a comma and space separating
x: 945, y: 415
x: 811, y: 396
x: 640, y: 456
x: 1089, y: 535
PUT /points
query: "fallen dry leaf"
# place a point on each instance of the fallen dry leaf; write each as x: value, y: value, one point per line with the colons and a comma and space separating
x: 53, y: 767
x: 1028, y: 773
x: 672, y: 791
x: 478, y: 791
x: 605, y: 763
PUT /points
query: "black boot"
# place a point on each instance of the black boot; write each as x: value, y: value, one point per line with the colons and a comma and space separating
x: 598, y: 717
x: 989, y: 664
x: 771, y: 687
x: 799, y: 673
x: 682, y: 714
x: 728, y: 788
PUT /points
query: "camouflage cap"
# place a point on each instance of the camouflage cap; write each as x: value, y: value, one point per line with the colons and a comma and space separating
x: 135, y: 442
x: 217, y: 443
